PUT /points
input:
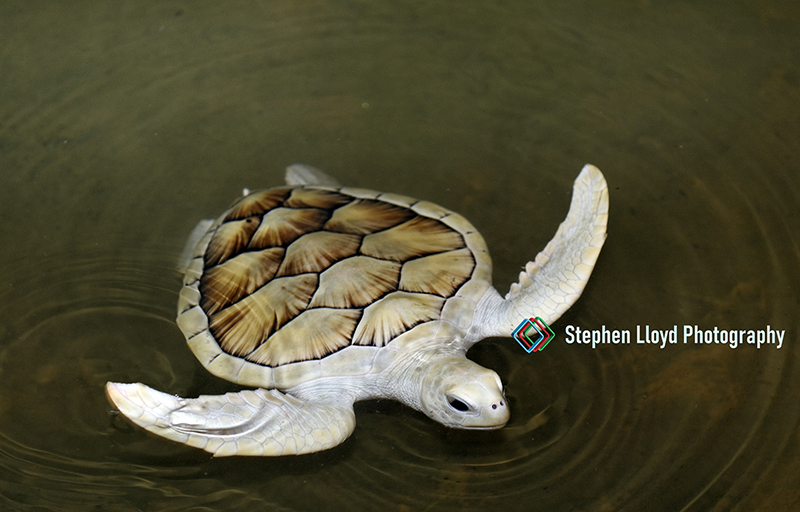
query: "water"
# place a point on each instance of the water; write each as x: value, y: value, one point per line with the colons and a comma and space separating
x: 123, y: 124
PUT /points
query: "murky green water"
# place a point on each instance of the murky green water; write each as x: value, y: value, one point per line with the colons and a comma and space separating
x: 123, y: 123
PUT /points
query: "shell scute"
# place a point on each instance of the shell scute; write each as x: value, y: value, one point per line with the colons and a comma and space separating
x: 243, y: 326
x: 282, y: 226
x: 364, y: 216
x: 432, y: 210
x: 242, y: 275
x: 440, y: 274
x: 356, y: 282
x: 321, y: 330
x: 253, y: 204
x: 316, y: 251
x: 229, y: 239
x: 394, y: 314
x: 302, y: 197
x: 416, y: 237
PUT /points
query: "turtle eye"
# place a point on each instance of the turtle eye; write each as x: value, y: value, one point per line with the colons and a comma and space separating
x: 457, y: 404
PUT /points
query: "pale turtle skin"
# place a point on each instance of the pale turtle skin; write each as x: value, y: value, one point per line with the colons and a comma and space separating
x: 320, y: 295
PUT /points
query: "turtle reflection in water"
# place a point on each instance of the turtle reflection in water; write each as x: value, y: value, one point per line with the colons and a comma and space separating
x: 320, y: 295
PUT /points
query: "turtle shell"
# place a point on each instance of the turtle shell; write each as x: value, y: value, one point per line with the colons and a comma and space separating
x: 294, y: 283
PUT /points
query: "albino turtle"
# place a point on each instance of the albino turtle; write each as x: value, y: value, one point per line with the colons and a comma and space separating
x: 320, y: 295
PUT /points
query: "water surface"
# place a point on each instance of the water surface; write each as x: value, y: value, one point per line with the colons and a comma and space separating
x: 124, y: 123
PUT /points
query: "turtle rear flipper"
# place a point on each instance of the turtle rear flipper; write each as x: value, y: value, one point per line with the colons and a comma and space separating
x: 251, y: 422
x: 302, y: 174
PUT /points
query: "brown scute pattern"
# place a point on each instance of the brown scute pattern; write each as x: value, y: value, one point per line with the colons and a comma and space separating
x: 313, y: 334
x: 440, y: 274
x: 315, y: 252
x: 228, y: 282
x: 393, y: 315
x: 282, y: 226
x: 295, y: 274
x: 356, y: 282
x: 417, y: 237
x: 240, y: 328
x: 257, y: 203
x: 229, y: 240
x: 311, y: 198
x: 365, y: 216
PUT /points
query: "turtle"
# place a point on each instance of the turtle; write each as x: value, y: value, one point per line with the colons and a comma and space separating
x: 318, y: 295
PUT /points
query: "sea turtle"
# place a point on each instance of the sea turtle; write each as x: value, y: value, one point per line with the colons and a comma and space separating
x: 320, y: 295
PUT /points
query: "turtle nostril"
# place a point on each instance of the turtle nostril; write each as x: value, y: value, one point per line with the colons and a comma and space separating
x: 494, y: 406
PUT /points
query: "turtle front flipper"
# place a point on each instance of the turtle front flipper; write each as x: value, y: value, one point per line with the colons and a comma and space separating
x: 253, y: 422
x: 552, y: 283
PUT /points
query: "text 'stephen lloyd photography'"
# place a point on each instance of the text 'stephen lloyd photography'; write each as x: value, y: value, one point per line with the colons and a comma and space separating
x: 686, y: 335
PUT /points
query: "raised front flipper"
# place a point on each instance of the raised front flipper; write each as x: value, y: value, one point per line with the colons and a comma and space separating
x: 257, y: 422
x: 552, y: 283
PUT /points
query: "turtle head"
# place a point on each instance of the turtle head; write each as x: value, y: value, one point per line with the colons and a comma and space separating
x: 461, y: 394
